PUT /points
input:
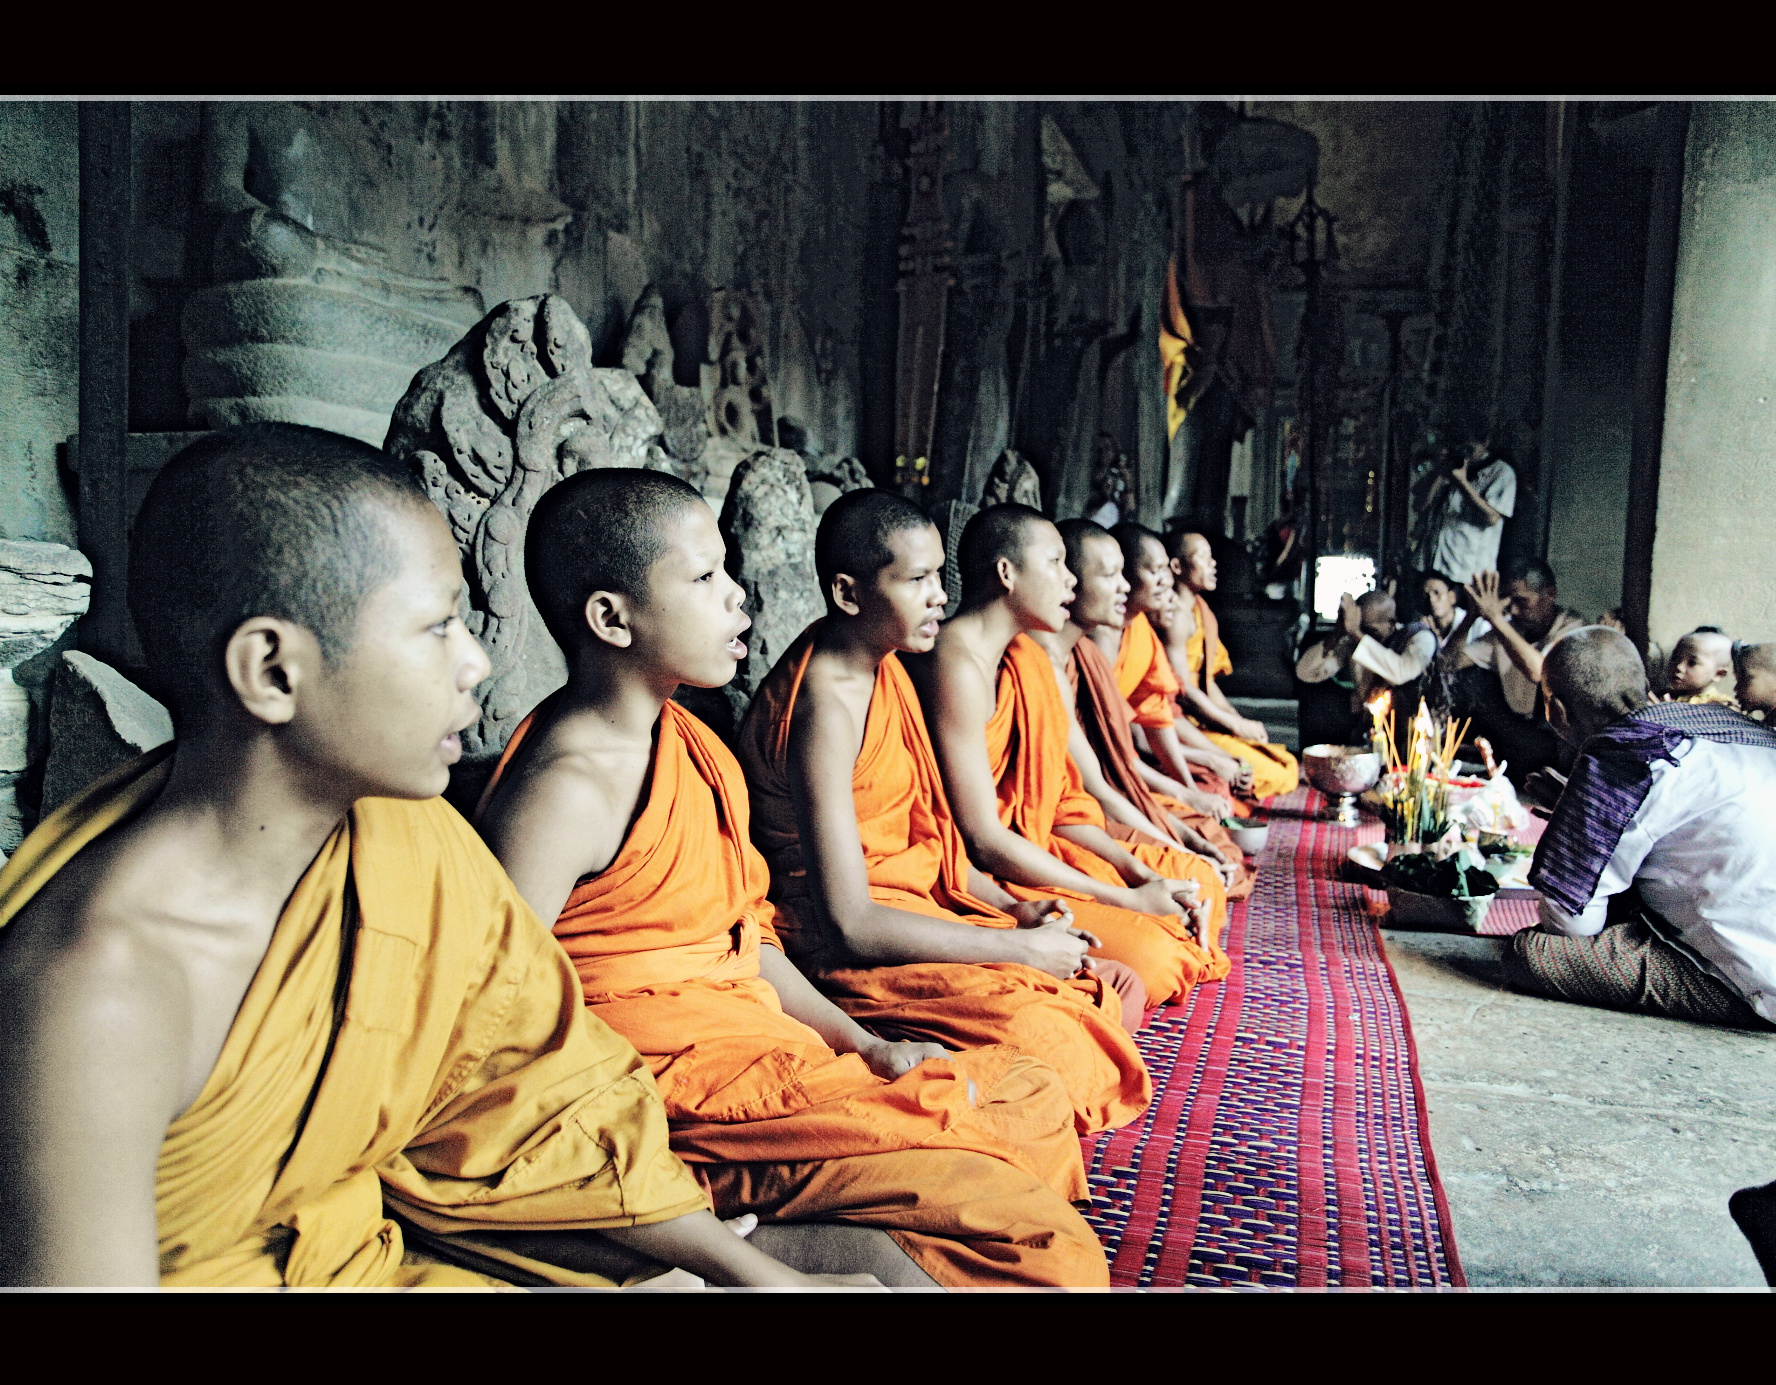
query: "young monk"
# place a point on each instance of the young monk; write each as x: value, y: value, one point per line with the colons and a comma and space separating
x: 626, y: 820
x: 1193, y: 644
x: 1754, y: 668
x: 875, y: 895
x: 1698, y: 662
x: 1101, y: 741
x: 1145, y: 679
x: 1000, y: 729
x: 262, y: 980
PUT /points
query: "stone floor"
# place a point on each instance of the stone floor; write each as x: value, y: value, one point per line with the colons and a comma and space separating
x: 1583, y: 1147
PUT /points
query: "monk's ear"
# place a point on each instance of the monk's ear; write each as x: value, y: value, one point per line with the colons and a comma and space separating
x: 1007, y: 571
x: 610, y: 619
x: 844, y: 594
x: 267, y: 662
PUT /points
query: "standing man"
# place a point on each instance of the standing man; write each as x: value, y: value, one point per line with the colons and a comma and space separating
x: 1469, y: 506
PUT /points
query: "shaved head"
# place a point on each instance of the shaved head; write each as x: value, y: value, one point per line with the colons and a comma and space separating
x: 265, y: 519
x: 854, y: 533
x: 1597, y: 675
x: 1371, y: 602
x: 1076, y: 534
x: 1756, y: 658
x: 999, y: 531
x: 1130, y: 536
x: 599, y: 530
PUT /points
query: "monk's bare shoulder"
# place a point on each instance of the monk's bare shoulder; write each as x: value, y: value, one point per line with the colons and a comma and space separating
x: 82, y: 960
x: 831, y: 710
x: 567, y: 809
x: 960, y: 686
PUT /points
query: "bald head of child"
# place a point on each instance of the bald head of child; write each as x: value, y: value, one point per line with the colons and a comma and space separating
x: 628, y: 570
x: 1754, y: 670
x: 297, y: 589
x: 1698, y: 660
x: 880, y: 563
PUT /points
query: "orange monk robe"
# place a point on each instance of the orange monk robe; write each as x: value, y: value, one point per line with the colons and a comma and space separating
x: 1144, y: 678
x: 1105, y: 716
x: 1039, y: 789
x: 916, y: 860
x: 458, y: 1077
x: 666, y: 943
x: 1274, y: 769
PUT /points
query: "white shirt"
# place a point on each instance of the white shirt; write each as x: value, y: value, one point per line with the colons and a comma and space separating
x: 1492, y: 652
x: 1373, y: 664
x: 1702, y: 850
x: 1464, y: 545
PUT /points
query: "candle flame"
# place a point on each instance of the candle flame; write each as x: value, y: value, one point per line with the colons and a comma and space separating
x: 1379, y: 704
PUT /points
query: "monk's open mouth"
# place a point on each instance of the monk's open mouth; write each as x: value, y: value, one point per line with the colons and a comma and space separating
x: 737, y: 647
x: 451, y: 745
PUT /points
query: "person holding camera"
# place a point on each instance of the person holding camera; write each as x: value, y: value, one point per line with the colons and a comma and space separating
x: 1469, y: 504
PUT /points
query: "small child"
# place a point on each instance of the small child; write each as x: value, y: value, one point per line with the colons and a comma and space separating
x: 1754, y: 666
x: 1699, y: 660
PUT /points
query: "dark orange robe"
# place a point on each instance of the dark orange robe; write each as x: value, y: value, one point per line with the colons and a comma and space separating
x: 1105, y: 716
x: 1039, y: 789
x: 1146, y: 681
x: 916, y: 861
x: 666, y: 944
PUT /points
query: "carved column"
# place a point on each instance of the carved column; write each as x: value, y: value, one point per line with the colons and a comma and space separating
x: 924, y: 289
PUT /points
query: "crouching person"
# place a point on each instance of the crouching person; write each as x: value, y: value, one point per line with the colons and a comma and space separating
x: 1658, y: 868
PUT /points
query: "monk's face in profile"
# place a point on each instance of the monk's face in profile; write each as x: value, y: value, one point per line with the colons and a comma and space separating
x: 688, y: 625
x: 904, y: 603
x: 1101, y: 597
x: 385, y: 718
x: 1195, y: 565
x: 1040, y: 587
x: 1151, y: 578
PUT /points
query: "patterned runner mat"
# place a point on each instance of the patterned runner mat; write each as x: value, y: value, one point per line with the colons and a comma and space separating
x: 1287, y: 1143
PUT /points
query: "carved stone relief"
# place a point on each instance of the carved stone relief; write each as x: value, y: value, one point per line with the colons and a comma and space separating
x: 514, y: 407
x: 303, y: 328
x: 1013, y: 480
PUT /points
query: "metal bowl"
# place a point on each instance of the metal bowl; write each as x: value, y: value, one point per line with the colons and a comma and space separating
x: 1337, y: 770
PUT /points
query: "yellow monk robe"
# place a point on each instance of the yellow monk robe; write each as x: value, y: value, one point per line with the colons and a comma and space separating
x: 461, y: 1080
x: 1039, y: 789
x: 917, y: 861
x: 666, y: 943
x: 1105, y: 716
x: 1274, y: 769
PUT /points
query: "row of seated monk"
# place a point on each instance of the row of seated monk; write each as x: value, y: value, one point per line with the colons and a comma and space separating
x: 835, y: 1010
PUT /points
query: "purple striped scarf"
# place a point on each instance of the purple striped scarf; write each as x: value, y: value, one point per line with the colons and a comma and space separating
x: 1609, y: 783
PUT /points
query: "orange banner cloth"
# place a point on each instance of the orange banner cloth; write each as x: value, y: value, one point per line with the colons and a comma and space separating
x: 1039, y: 789
x: 1105, y: 716
x: 1274, y: 769
x: 461, y: 1078
x: 917, y: 861
x: 666, y: 944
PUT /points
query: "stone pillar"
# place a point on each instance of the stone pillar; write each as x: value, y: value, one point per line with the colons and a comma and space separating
x: 1717, y: 498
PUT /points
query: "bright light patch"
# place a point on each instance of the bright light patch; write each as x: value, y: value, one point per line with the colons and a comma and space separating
x: 1338, y: 574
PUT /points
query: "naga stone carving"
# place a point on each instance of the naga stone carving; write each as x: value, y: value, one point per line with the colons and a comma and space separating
x: 513, y: 408
x: 1012, y: 479
x: 736, y: 393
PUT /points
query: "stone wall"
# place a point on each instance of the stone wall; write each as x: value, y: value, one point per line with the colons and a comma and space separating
x: 39, y: 314
x: 1717, y: 507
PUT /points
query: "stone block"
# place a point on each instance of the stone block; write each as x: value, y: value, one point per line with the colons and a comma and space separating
x: 44, y: 588
x: 98, y: 720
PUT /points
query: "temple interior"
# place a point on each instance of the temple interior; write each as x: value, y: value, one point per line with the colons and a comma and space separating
x: 1279, y: 325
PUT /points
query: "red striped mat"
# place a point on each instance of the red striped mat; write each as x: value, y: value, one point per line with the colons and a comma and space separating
x: 1287, y: 1144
